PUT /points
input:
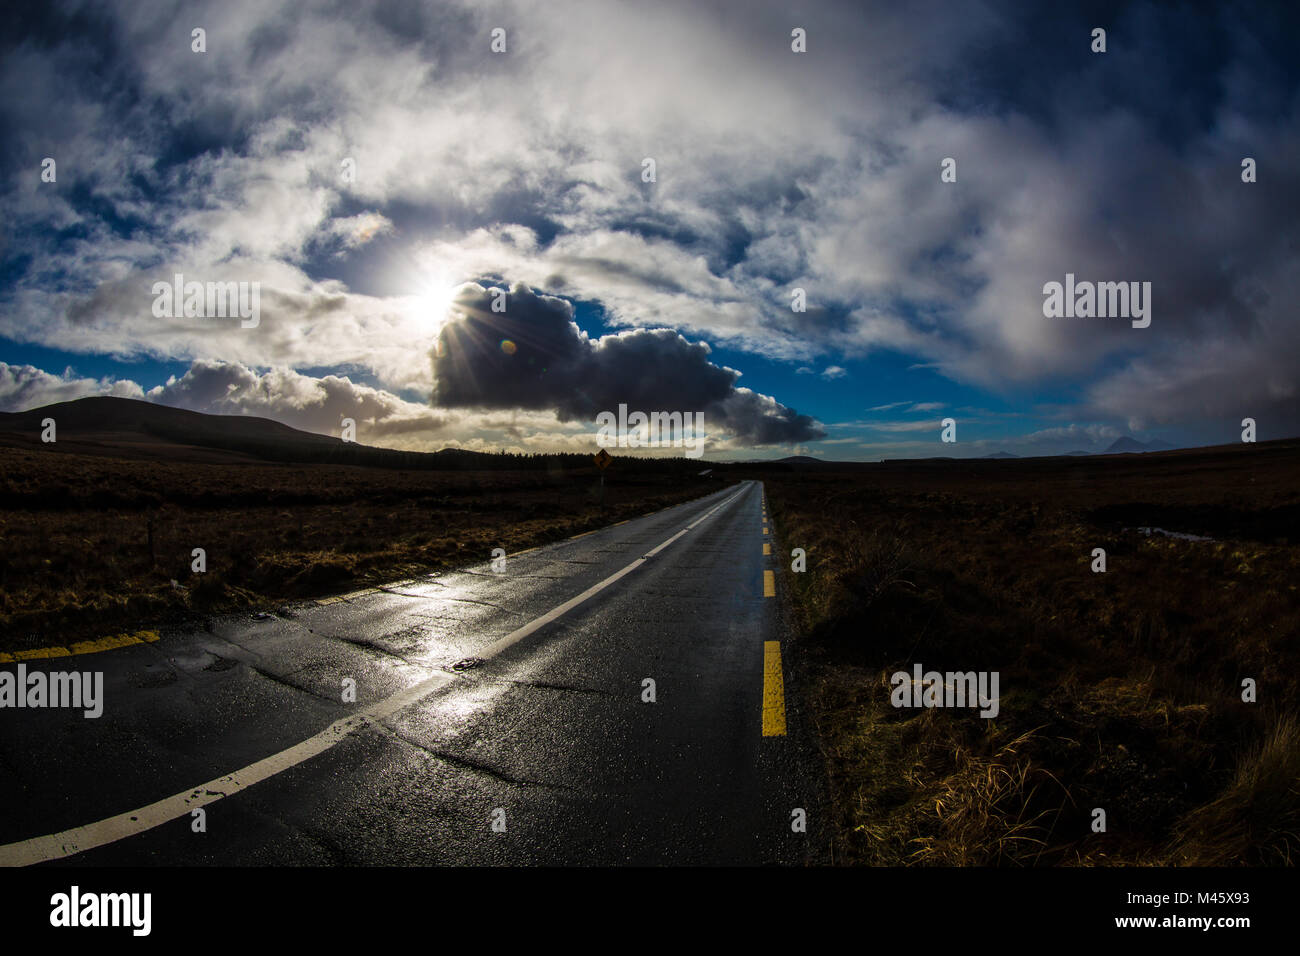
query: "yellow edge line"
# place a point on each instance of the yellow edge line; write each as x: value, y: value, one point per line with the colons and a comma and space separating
x: 81, y: 647
x: 769, y: 584
x: 773, y: 691
x: 767, y: 548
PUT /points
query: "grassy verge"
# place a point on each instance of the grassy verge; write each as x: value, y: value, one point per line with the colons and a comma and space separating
x: 1119, y: 690
x: 92, y: 545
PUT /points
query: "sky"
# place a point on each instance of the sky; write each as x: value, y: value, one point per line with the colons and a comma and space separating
x: 826, y: 228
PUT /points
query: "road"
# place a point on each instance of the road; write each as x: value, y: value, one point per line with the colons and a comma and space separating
x: 501, y: 717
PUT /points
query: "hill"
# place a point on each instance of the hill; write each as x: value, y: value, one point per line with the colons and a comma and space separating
x: 130, y: 428
x: 134, y: 429
x: 1126, y: 445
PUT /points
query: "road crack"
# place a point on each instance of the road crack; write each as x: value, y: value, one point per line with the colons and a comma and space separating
x: 473, y: 765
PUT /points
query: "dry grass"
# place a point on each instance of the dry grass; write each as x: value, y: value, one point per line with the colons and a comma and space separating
x: 1256, y: 819
x: 91, y: 545
x: 1119, y: 690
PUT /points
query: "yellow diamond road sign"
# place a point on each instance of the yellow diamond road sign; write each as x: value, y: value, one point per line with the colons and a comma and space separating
x: 602, y: 459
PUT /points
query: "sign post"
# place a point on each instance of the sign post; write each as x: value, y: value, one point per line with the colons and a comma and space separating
x: 602, y: 459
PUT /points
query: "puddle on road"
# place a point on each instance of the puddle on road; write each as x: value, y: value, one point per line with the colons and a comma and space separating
x: 1180, y: 535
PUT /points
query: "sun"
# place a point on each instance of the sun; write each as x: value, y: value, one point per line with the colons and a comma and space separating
x: 431, y: 307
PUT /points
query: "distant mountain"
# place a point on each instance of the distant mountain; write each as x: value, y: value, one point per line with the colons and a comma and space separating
x: 145, y: 429
x: 1128, y: 445
x: 130, y: 428
x: 799, y: 460
x: 1073, y: 454
x: 1002, y: 454
x: 1124, y: 445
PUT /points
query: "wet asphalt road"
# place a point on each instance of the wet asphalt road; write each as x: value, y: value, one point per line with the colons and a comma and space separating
x: 549, y: 733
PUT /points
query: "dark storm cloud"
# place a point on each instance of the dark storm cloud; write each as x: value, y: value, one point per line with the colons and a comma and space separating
x: 534, y: 356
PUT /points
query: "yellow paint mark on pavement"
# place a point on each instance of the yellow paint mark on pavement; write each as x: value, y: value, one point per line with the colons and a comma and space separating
x: 767, y: 548
x: 40, y: 654
x: 117, y: 640
x: 81, y: 647
x: 769, y: 584
x: 773, y: 691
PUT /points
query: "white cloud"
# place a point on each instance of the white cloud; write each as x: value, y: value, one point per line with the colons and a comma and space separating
x: 23, y: 387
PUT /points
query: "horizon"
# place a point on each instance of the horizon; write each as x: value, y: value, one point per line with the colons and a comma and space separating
x: 1156, y: 445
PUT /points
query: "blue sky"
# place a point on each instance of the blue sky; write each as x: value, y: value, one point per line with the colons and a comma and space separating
x: 376, y: 171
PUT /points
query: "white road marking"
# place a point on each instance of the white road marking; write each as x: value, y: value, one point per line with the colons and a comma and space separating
x: 79, y: 839
x: 514, y: 637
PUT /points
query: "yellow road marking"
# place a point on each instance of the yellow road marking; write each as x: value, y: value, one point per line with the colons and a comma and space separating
x: 764, y: 529
x: 773, y: 691
x: 767, y: 548
x: 81, y: 647
x: 769, y: 584
x: 39, y: 654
